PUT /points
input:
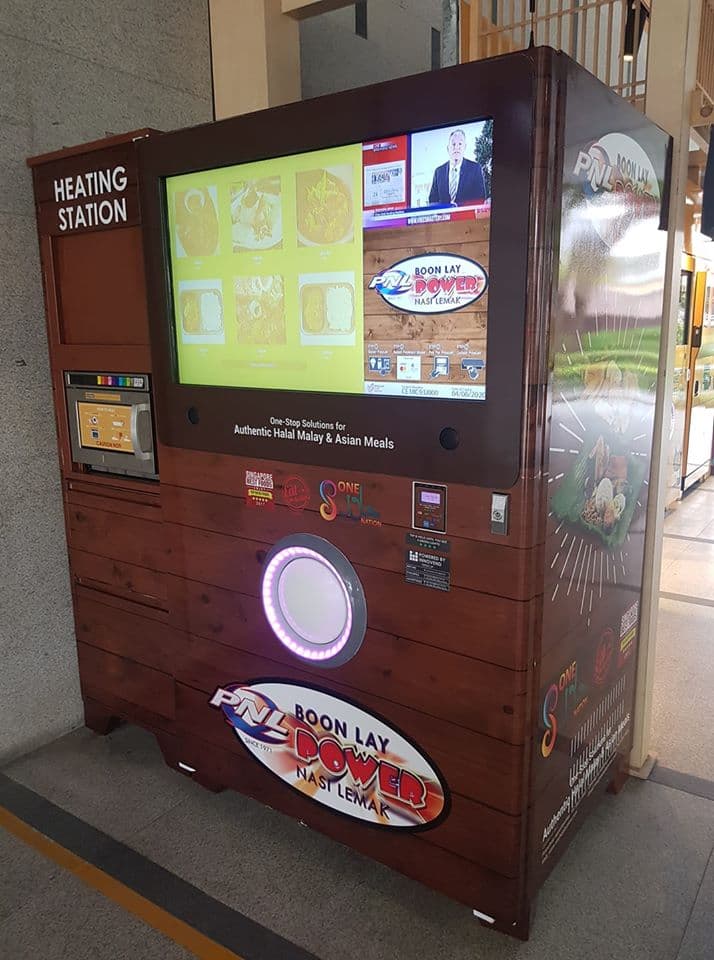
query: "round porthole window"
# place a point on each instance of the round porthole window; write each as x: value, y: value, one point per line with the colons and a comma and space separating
x: 313, y: 600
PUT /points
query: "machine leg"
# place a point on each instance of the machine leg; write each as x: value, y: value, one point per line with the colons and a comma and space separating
x: 99, y: 718
x: 519, y: 929
x: 619, y: 776
x: 170, y: 747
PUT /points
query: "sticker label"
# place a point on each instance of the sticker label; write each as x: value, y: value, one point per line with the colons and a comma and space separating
x: 334, y: 752
x: 427, y: 570
x: 261, y: 481
x: 620, y: 184
x: 263, y: 499
x: 345, y: 499
x: 425, y: 542
x: 296, y: 493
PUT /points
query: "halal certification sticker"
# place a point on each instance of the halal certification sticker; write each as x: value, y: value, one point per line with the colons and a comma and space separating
x: 297, y: 493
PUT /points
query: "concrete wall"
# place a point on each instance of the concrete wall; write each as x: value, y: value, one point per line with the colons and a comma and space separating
x: 398, y: 43
x: 69, y: 72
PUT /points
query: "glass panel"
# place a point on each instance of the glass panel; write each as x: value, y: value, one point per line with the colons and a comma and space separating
x: 685, y: 296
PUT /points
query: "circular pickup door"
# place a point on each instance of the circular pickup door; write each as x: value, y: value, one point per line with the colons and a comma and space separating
x: 314, y: 600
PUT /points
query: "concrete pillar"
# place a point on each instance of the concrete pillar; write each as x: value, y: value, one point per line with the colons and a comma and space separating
x: 255, y: 51
x: 671, y: 73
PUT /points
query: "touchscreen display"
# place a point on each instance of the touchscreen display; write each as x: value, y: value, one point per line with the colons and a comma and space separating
x: 359, y: 269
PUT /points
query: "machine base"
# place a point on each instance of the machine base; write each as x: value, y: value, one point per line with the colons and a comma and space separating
x: 518, y: 929
x: 171, y: 750
x: 99, y: 718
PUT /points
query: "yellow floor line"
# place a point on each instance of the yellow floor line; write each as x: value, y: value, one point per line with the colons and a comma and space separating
x: 178, y: 931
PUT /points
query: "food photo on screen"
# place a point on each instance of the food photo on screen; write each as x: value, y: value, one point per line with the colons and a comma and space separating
x: 256, y: 214
x: 201, y: 310
x: 196, y: 213
x: 324, y: 206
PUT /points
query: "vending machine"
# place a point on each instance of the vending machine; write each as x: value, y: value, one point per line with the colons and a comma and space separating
x: 405, y: 344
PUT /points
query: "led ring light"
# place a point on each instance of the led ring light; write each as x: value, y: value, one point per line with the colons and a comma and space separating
x: 313, y: 600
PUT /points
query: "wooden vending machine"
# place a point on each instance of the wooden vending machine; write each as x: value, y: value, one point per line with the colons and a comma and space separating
x: 405, y: 345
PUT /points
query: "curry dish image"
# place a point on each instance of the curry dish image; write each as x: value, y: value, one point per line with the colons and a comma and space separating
x: 197, y: 222
x: 324, y: 207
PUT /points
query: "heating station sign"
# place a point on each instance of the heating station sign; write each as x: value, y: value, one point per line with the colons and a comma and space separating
x: 334, y: 752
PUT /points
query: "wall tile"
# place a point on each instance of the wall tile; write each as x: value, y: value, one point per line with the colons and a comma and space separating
x: 69, y: 74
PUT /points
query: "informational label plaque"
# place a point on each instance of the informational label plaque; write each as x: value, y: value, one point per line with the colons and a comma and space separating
x: 427, y: 570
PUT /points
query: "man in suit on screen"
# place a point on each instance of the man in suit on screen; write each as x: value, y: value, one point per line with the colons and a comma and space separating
x: 458, y: 182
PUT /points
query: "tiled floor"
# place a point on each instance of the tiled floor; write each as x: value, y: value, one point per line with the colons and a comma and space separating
x: 48, y: 914
x: 645, y: 894
x: 640, y: 896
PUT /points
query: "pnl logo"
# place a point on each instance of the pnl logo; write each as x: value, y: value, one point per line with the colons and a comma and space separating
x: 431, y: 283
x: 392, y: 283
x: 251, y: 713
x: 619, y: 184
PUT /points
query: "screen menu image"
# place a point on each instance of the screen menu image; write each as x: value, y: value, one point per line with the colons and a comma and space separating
x: 360, y: 269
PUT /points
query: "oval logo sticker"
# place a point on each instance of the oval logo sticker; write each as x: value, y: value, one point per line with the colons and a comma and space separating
x: 431, y: 283
x: 334, y: 752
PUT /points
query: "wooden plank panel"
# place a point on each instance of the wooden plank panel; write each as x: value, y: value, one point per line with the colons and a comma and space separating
x: 91, y: 356
x: 120, y: 602
x: 101, y: 274
x: 81, y: 148
x: 122, y: 579
x: 486, y: 770
x: 481, y: 696
x: 490, y: 628
x: 469, y: 507
x: 413, y: 855
x: 415, y: 326
x: 381, y: 258
x: 431, y: 235
x: 131, y: 681
x: 125, y: 634
x: 476, y: 565
x: 103, y: 705
x: 140, y: 501
x: 482, y: 836
x: 129, y: 539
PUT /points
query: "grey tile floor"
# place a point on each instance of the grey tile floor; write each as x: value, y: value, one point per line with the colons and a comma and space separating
x: 47, y: 913
x: 637, y: 882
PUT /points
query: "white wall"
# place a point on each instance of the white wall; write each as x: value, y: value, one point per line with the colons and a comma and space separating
x: 69, y: 72
x: 398, y: 43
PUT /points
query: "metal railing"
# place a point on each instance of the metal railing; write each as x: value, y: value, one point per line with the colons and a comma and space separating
x: 608, y: 37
